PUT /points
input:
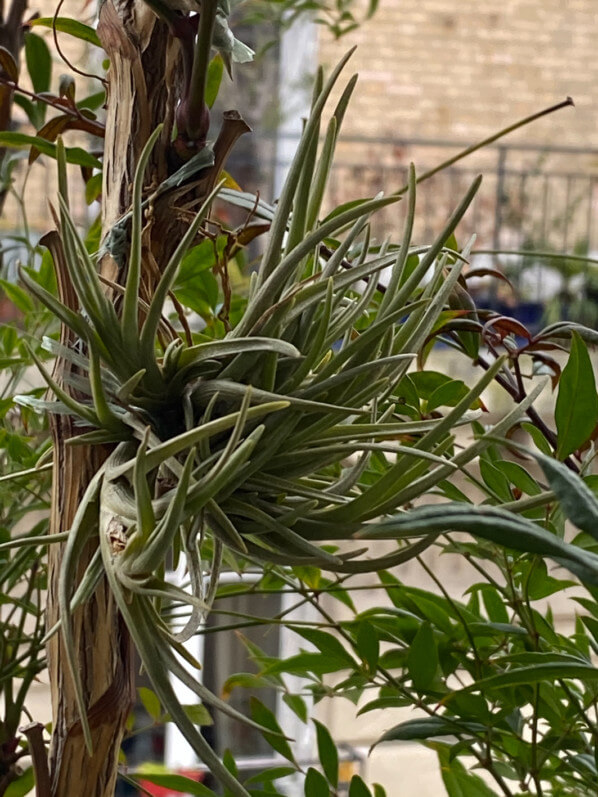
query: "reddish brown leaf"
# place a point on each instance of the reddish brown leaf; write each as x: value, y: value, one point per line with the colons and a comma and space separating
x: 538, y: 345
x: 488, y: 272
x: 50, y: 131
x: 251, y: 231
x: 9, y: 65
x: 504, y: 325
x: 552, y: 364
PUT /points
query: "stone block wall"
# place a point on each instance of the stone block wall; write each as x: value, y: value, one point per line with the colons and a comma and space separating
x: 461, y: 70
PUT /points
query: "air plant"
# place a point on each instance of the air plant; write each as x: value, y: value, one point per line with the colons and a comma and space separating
x: 258, y: 441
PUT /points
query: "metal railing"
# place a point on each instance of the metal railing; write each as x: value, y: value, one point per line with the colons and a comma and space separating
x: 533, y: 199
x: 540, y: 195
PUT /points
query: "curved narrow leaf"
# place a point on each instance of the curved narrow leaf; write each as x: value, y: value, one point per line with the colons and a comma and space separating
x: 576, y: 411
x: 74, y: 155
x: 428, y: 728
x: 70, y: 26
x: 489, y: 523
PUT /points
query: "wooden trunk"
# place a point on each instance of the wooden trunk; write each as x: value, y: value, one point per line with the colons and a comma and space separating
x: 143, y: 88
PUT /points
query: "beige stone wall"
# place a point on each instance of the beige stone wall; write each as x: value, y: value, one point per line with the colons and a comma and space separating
x: 464, y: 68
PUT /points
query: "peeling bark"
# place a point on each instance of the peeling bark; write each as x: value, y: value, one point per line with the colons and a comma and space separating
x: 145, y: 83
x: 142, y: 92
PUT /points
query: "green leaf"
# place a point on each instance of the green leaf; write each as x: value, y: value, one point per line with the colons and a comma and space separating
x: 457, y: 780
x: 357, y: 788
x: 262, y: 714
x: 576, y: 410
x: 9, y: 65
x: 536, y: 674
x: 214, y: 78
x: 494, y: 604
x: 30, y: 108
x: 326, y: 643
x: 449, y: 394
x: 200, y: 295
x: 196, y: 712
x: 541, y: 442
x: 429, y: 727
x: 93, y: 101
x: 297, y: 705
x: 315, y: 663
x: 315, y: 784
x: 518, y: 477
x: 268, y: 775
x: 179, y: 783
x: 150, y: 702
x: 39, y: 62
x: 93, y: 188
x: 495, y: 629
x: 422, y: 660
x: 368, y: 645
x: 577, y: 501
x: 541, y: 585
x: 22, y: 786
x: 74, y: 155
x: 327, y: 753
x: 17, y: 296
x: 70, y: 26
x: 495, y: 480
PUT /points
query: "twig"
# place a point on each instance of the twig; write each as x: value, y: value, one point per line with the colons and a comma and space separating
x: 63, y: 56
x: 34, y: 733
x: 98, y: 128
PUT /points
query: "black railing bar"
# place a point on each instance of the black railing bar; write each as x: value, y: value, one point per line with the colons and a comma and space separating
x: 459, y: 170
x: 590, y: 218
x: 447, y: 143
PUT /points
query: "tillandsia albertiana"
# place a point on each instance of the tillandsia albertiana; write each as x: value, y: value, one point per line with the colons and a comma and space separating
x: 259, y: 441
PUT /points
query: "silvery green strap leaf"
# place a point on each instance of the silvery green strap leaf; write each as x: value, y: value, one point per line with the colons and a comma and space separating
x: 229, y: 389
x: 223, y: 528
x: 197, y: 615
x: 72, y: 320
x: 232, y: 346
x: 130, y: 307
x: 292, y: 541
x: 577, y: 501
x: 151, y: 653
x: 158, y: 542
x: 348, y: 374
x: 390, y: 296
x: 170, y: 448
x: 271, y: 256
x: 25, y: 540
x: 76, y: 407
x: 415, y: 278
x: 489, y: 523
x: 247, y: 201
x: 84, y: 525
x: 272, y: 288
x: 222, y: 474
x: 152, y: 320
x: 429, y: 480
x: 200, y: 161
x: 146, y: 520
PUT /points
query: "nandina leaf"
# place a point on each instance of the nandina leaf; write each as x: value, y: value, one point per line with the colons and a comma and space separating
x: 576, y: 411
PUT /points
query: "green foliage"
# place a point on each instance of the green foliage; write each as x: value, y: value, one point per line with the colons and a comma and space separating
x: 576, y: 412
